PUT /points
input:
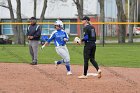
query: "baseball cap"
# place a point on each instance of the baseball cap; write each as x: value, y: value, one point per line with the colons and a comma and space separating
x: 86, y: 18
x: 32, y: 18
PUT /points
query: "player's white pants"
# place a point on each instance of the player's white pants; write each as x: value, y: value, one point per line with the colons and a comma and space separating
x: 63, y: 52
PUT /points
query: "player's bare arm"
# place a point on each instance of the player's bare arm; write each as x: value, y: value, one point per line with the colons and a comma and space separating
x: 46, y: 44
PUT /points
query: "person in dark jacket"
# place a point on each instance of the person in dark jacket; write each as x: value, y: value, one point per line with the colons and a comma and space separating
x: 89, y: 48
x: 33, y: 35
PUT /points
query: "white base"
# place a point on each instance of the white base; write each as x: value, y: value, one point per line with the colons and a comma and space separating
x: 92, y: 74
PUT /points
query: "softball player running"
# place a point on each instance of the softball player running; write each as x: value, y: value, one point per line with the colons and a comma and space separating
x: 60, y: 38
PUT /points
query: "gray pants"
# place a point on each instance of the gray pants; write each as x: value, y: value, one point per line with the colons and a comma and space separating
x: 33, y: 48
x: 63, y: 52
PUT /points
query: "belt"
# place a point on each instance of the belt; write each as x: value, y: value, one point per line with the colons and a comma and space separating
x: 90, y: 43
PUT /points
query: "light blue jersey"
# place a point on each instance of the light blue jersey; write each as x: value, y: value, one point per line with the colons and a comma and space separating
x: 58, y: 37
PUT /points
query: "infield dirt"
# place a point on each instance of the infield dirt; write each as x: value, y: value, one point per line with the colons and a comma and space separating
x: 45, y: 78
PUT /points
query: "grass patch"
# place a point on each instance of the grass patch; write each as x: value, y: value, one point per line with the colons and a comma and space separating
x: 120, y: 55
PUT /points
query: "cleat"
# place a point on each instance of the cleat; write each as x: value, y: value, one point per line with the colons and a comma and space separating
x: 82, y: 77
x: 99, y: 73
x: 33, y: 63
x: 69, y: 73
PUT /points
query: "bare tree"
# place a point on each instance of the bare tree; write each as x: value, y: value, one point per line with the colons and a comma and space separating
x: 11, y: 10
x: 102, y: 16
x: 131, y: 19
x: 35, y: 5
x: 139, y: 12
x: 19, y: 27
x: 43, y: 10
x: 14, y: 27
x: 79, y: 5
x: 121, y: 18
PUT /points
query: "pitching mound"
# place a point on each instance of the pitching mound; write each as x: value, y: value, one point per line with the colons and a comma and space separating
x: 45, y: 78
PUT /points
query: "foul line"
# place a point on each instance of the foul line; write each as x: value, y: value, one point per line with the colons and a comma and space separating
x: 96, y: 23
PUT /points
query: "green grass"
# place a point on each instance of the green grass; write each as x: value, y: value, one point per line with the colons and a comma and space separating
x: 124, y: 55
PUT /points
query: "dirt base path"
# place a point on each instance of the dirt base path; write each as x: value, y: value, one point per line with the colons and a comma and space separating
x: 45, y: 78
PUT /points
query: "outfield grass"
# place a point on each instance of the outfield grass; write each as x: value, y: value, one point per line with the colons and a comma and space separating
x: 125, y: 55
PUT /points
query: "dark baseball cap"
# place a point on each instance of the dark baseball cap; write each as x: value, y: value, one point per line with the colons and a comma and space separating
x: 86, y: 18
x: 32, y: 18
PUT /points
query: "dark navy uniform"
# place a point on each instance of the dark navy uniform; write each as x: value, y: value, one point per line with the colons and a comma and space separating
x: 33, y: 34
x: 90, y: 47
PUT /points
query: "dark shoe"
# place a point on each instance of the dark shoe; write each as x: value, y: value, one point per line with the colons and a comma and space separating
x: 33, y: 63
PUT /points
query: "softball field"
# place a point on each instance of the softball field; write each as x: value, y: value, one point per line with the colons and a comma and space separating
x: 45, y: 78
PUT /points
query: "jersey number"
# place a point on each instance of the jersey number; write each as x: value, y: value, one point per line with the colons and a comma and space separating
x: 92, y: 33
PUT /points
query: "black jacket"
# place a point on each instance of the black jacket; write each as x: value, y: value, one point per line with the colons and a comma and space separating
x: 35, y: 31
x: 89, y: 34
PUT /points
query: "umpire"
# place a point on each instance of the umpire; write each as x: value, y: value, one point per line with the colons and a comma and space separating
x: 33, y: 35
x: 90, y: 47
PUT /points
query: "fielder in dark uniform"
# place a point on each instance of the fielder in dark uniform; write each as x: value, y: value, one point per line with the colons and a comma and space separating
x: 33, y: 35
x: 90, y: 47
